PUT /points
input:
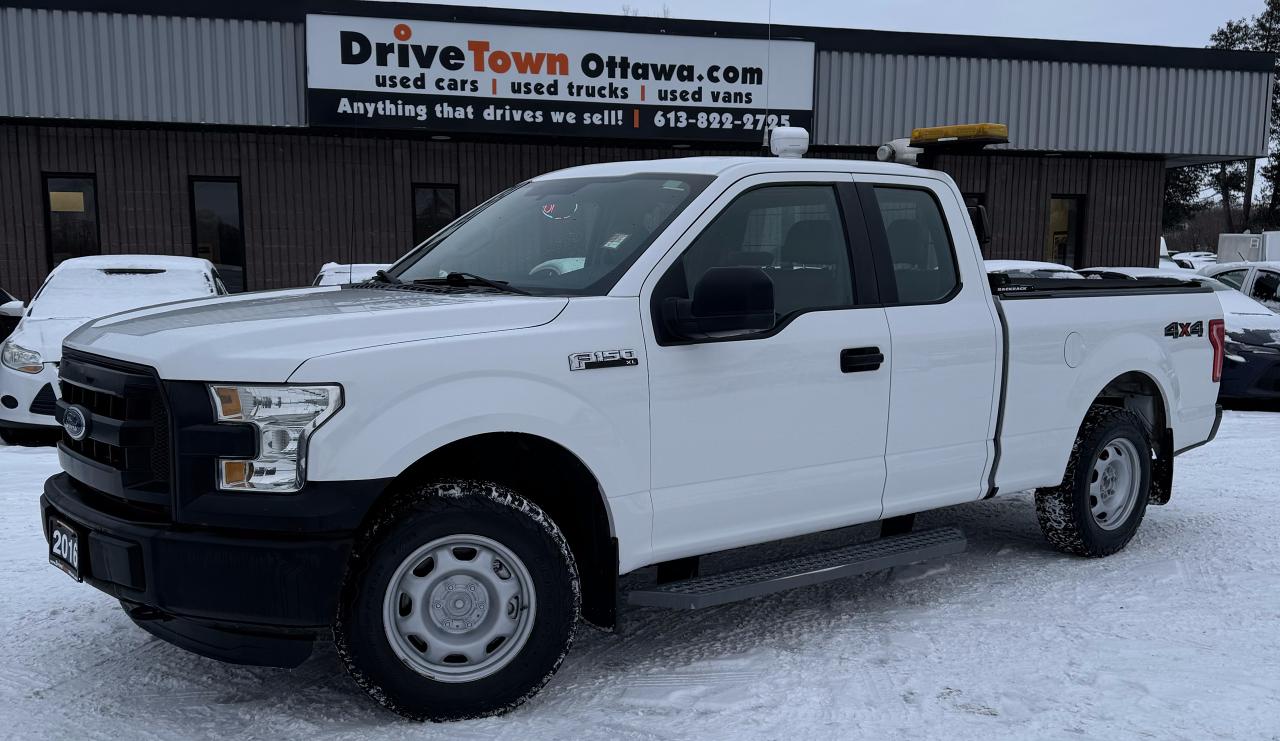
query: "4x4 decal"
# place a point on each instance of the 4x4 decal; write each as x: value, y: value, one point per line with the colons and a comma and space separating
x: 1184, y: 329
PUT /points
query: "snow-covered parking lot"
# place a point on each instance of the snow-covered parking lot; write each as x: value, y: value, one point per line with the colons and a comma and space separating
x: 1176, y: 637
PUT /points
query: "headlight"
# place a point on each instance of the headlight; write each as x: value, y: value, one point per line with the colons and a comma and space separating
x: 21, y: 359
x: 284, y: 416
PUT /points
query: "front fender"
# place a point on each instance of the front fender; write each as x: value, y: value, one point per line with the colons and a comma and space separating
x: 382, y: 440
x: 404, y: 401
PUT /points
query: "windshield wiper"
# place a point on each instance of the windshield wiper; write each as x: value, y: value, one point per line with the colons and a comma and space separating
x: 471, y: 279
x: 383, y: 276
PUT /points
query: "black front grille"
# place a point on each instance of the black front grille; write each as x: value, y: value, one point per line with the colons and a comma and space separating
x: 126, y: 451
x: 45, y: 402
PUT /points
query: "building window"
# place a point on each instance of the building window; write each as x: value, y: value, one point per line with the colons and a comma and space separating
x: 434, y: 206
x: 1063, y: 244
x: 72, y: 217
x: 217, y: 228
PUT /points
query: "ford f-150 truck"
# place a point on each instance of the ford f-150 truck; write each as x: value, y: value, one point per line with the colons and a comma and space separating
x: 603, y: 369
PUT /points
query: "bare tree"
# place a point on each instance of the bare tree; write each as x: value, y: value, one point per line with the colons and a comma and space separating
x: 634, y: 11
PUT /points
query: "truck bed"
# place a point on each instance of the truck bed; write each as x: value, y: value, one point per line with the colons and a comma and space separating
x: 1066, y: 340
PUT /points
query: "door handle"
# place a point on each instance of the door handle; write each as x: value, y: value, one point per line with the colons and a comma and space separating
x: 860, y: 359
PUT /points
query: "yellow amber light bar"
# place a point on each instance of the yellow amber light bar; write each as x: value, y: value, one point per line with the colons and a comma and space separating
x: 978, y: 133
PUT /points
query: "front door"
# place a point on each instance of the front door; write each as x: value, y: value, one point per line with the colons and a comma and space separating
x: 764, y: 435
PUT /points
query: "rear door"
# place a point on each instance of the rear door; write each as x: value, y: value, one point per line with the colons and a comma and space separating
x: 775, y: 433
x: 946, y: 350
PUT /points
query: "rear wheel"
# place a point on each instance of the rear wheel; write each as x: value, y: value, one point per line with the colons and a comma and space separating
x: 1097, y: 508
x: 461, y: 603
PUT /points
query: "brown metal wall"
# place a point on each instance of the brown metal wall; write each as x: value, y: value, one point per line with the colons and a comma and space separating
x: 1122, y: 200
x: 310, y: 198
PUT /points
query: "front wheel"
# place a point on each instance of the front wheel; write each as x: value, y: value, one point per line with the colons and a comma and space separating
x: 462, y: 603
x: 1097, y: 508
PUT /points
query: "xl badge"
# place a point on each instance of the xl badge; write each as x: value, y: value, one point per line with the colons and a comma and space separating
x: 602, y: 359
x: 76, y: 422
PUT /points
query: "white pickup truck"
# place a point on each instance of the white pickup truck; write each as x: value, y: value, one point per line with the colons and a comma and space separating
x: 603, y: 369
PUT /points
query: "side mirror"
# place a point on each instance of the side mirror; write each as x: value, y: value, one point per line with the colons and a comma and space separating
x: 726, y: 302
x: 14, y: 309
x: 981, y: 223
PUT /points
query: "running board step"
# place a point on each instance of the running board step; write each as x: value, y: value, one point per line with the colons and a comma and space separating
x: 801, y: 571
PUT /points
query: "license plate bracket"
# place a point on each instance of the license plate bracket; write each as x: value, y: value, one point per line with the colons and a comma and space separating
x: 64, y: 548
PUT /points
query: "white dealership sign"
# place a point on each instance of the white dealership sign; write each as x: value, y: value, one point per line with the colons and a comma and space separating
x: 459, y: 77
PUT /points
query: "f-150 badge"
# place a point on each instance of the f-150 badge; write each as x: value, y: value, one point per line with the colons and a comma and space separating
x: 602, y: 359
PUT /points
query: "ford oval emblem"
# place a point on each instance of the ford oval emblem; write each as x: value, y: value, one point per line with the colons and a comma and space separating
x: 76, y: 422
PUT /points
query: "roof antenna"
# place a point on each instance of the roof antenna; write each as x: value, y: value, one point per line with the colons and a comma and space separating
x: 768, y: 65
x: 351, y: 244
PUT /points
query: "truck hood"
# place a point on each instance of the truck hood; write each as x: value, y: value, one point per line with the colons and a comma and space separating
x: 45, y: 336
x: 264, y: 337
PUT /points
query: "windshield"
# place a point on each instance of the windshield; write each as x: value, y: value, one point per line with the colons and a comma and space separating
x: 574, y: 236
x: 83, y: 293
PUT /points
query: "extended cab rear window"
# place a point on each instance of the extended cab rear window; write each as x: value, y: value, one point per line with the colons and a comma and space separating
x: 924, y: 263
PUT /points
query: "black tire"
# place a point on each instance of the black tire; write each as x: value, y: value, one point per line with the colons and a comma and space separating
x: 1065, y: 511
x: 29, y: 438
x: 421, y: 516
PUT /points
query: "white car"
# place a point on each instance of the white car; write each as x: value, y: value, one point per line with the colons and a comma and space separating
x: 1257, y: 280
x: 1194, y: 260
x: 11, y: 310
x: 1240, y: 312
x: 77, y: 291
x: 1168, y: 263
x: 335, y: 273
x: 445, y: 469
x: 1031, y: 269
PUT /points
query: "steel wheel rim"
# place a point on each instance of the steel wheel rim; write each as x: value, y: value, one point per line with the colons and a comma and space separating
x: 1114, y: 483
x: 459, y: 608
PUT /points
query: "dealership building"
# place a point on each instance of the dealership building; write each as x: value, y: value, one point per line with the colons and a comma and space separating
x: 274, y: 137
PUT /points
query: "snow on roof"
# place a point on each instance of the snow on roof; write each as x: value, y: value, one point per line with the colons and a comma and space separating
x: 1133, y: 272
x: 1000, y: 266
x: 1222, y: 267
x: 86, y: 287
x: 136, y: 262
x: 334, y: 273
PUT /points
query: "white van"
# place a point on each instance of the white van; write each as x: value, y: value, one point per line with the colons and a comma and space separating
x: 1249, y: 247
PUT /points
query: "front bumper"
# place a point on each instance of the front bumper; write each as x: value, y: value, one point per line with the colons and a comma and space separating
x: 26, y: 399
x: 228, y: 594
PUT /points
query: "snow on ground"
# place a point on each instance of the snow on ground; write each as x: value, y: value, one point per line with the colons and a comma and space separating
x: 1174, y: 638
